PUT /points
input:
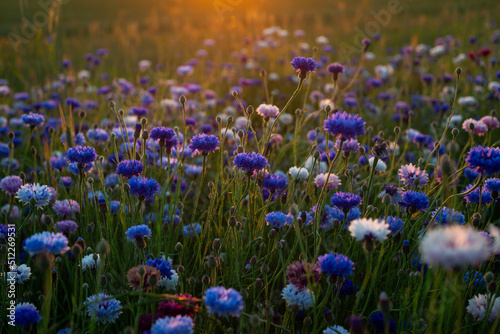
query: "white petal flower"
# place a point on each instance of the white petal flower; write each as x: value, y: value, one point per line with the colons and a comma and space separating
x: 366, y: 228
x: 454, y: 246
x: 478, y: 305
x: 303, y: 298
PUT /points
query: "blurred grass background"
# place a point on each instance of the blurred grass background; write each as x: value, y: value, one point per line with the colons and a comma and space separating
x: 171, y: 29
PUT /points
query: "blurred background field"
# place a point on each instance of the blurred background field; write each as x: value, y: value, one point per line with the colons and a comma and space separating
x: 172, y: 29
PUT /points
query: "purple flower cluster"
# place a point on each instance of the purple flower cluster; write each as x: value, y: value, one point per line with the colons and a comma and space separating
x: 342, y: 124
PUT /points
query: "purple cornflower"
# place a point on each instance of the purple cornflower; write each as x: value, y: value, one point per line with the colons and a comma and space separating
x: 204, y: 144
x: 66, y: 207
x: 303, y: 65
x: 484, y: 159
x: 301, y: 273
x: 223, y: 302
x: 342, y: 124
x: 143, y: 187
x: 250, y: 162
x: 335, y: 69
x: 81, y: 155
x: 66, y: 226
x: 278, y: 219
x: 129, y: 168
x: 336, y: 264
x: 11, y: 184
x: 274, y: 182
x: 33, y: 120
x: 393, y: 192
x: 414, y: 200
x: 345, y: 201
x: 166, y: 136
x: 138, y: 111
x: 409, y: 173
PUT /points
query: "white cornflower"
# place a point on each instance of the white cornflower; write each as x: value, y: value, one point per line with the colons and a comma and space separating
x: 478, y: 305
x: 367, y: 228
x: 454, y: 246
x: 381, y: 166
x: 170, y: 284
x: 299, y: 174
x: 333, y: 181
x: 23, y: 273
x: 89, y: 262
x: 267, y: 110
x: 293, y: 295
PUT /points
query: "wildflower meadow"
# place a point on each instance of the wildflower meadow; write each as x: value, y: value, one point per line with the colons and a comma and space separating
x: 249, y: 167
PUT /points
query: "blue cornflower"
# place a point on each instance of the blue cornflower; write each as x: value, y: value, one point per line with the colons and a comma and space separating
x: 73, y: 168
x: 204, y: 144
x: 304, y: 65
x: 162, y: 265
x: 475, y: 279
x: 103, y: 308
x: 26, y: 314
x: 33, y: 120
x: 274, y: 183
x: 473, y: 197
x: 138, y: 111
x: 278, y: 219
x: 73, y: 103
x: 58, y: 162
x: 4, y: 150
x: 342, y: 124
x: 191, y: 230
x: 143, y: 187
x: 97, y: 135
x: 395, y: 225
x: 345, y: 201
x: 81, y: 155
x: 333, y: 213
x: 470, y: 173
x: 138, y: 232
x: 250, y: 162
x: 41, y: 194
x: 484, y: 159
x: 414, y: 200
x: 166, y: 136
x: 377, y: 320
x: 347, y: 288
x: 336, y: 264
x: 55, y: 243
x: 129, y: 168
x: 66, y: 181
x: 492, y: 184
x: 181, y: 324
x: 223, y: 302
x: 448, y: 216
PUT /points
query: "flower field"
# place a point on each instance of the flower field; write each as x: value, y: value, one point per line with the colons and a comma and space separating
x: 233, y: 172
